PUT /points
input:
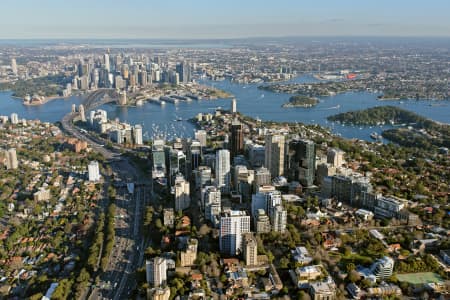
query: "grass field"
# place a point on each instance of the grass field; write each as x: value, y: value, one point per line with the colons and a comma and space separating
x: 419, y: 278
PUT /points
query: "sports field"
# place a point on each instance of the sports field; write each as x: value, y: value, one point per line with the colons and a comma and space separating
x: 419, y: 278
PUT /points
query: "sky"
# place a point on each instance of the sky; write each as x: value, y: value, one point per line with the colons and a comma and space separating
x: 198, y: 19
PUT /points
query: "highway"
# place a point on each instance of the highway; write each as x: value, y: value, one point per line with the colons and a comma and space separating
x: 118, y: 281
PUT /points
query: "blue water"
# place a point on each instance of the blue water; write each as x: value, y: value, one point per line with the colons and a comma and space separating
x: 250, y: 101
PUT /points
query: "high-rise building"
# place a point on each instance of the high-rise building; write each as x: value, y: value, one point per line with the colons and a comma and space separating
x: 177, y: 164
x: 200, y: 135
x: 189, y: 254
x: 82, y: 113
x: 106, y: 61
x: 382, y: 268
x: 202, y: 176
x: 233, y: 106
x: 250, y: 249
x: 181, y: 193
x: 301, y: 161
x: 137, y: 134
x: 262, y: 177
x: 195, y: 154
x: 262, y: 222
x: 256, y: 154
x: 11, y: 161
x: 274, y: 154
x: 279, y: 218
x: 335, y: 157
x: 93, y: 171
x: 156, y: 271
x: 14, y: 118
x: 158, y: 159
x: 184, y: 71
x: 14, y: 66
x: 223, y: 170
x: 233, y: 224
x: 159, y: 294
x: 123, y: 98
x: 237, y: 139
x: 143, y: 78
x: 211, y: 201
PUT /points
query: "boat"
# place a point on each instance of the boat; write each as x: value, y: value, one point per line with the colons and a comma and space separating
x: 375, y: 136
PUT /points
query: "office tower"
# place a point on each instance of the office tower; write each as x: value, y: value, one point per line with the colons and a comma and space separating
x: 262, y: 221
x: 125, y: 71
x: 256, y: 154
x: 122, y: 98
x: 237, y: 139
x: 11, y: 159
x: 301, y: 161
x: 14, y: 118
x: 137, y: 134
x: 14, y: 66
x: 84, y: 82
x: 211, y: 201
x: 223, y: 170
x: 200, y: 135
x: 278, y: 218
x: 262, y: 177
x: 350, y: 189
x: 233, y: 106
x: 195, y: 154
x: 202, y: 176
x: 94, y: 172
x: 250, y: 247
x: 184, y: 71
x: 143, y: 78
x: 74, y: 108
x: 335, y: 157
x: 119, y: 83
x: 82, y: 113
x: 274, y: 154
x: 181, y: 193
x: 382, y: 268
x: 156, y: 271
x: 233, y: 224
x: 106, y: 61
x: 189, y: 254
x: 177, y: 164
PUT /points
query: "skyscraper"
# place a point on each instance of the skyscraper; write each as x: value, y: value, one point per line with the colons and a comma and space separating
x: 93, y: 170
x: 158, y: 159
x: 262, y: 177
x: 14, y: 66
x: 223, y: 170
x: 195, y: 153
x: 11, y: 159
x: 211, y: 201
x: 301, y: 162
x: 237, y: 139
x: 82, y: 113
x: 156, y: 271
x: 181, y: 193
x: 335, y: 157
x: 200, y: 135
x: 184, y: 71
x: 274, y: 154
x: 233, y: 224
x: 106, y: 61
x: 250, y: 249
x: 233, y: 106
x: 14, y: 118
x: 137, y: 134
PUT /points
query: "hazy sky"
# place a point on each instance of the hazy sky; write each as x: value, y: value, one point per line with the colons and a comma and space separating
x: 222, y: 19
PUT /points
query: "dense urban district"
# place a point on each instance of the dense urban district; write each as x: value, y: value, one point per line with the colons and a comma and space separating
x: 246, y: 208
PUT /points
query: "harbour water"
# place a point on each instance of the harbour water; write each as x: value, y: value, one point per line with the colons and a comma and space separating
x: 250, y: 101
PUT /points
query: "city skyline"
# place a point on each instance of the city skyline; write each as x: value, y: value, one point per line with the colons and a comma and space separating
x: 203, y: 20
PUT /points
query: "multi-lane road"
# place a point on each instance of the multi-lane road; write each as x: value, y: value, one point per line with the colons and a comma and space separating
x: 118, y: 280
